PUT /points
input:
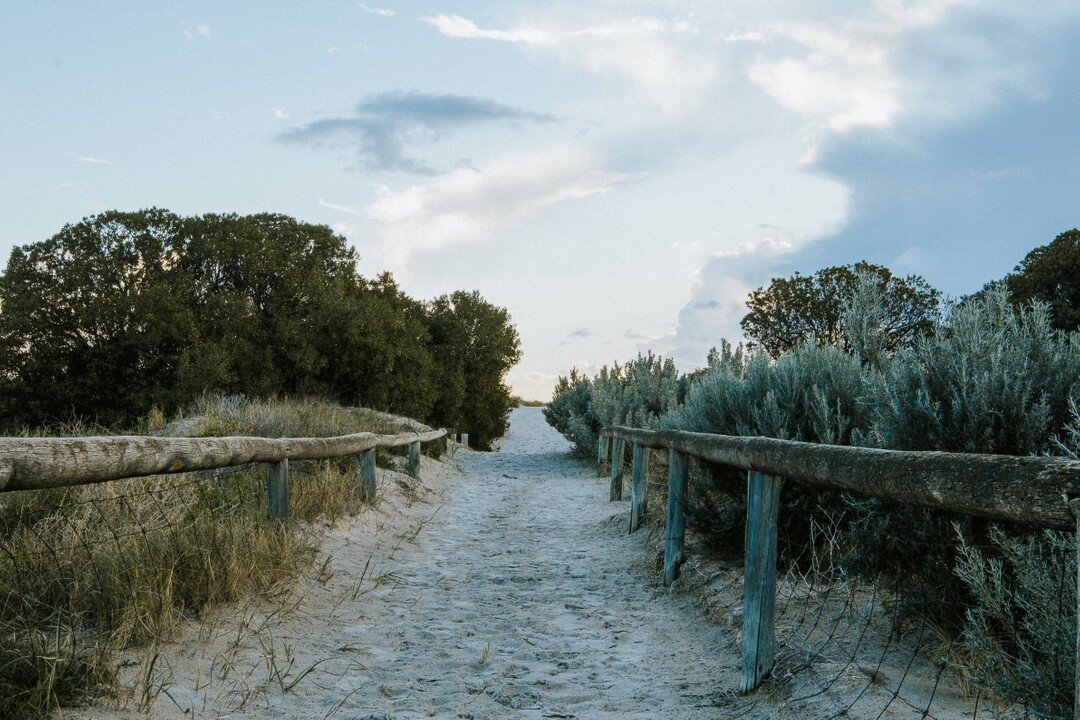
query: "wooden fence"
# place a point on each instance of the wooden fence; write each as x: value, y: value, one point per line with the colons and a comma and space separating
x: 39, y: 463
x: 1036, y: 491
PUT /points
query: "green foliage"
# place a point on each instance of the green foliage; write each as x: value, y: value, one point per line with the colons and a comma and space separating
x: 635, y: 394
x: 123, y: 312
x: 1020, y: 630
x: 474, y: 345
x: 88, y: 572
x: 1020, y: 626
x: 810, y: 394
x: 1051, y: 273
x: 995, y: 379
x: 811, y: 309
x: 570, y: 412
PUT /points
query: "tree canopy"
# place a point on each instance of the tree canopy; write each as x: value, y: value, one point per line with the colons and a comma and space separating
x: 800, y: 309
x: 125, y: 311
x: 1051, y: 273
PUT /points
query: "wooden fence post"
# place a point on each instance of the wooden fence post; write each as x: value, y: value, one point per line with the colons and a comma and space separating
x: 675, y: 524
x: 367, y: 475
x: 603, y: 450
x: 1074, y: 508
x: 639, y: 491
x: 414, y: 459
x: 444, y: 442
x: 759, y: 591
x: 617, y: 452
x: 277, y: 489
x: 465, y: 440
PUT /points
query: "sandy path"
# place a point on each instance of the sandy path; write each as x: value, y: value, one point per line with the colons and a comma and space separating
x: 507, y: 590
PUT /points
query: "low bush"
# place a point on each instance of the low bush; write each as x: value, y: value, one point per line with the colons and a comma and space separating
x: 635, y: 394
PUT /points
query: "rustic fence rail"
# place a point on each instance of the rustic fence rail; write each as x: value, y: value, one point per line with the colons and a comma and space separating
x: 1035, y: 491
x: 41, y: 463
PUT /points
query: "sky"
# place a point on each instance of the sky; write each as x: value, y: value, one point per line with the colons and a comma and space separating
x: 618, y: 174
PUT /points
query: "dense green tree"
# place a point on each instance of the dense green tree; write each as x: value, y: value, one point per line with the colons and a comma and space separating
x: 474, y: 345
x: 800, y: 309
x: 1051, y: 273
x: 94, y: 320
x: 126, y: 311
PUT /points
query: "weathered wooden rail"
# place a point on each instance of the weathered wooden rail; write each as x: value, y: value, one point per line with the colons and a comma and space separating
x: 40, y: 463
x: 1035, y: 491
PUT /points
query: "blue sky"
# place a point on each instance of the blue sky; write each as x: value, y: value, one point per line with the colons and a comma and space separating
x: 618, y: 174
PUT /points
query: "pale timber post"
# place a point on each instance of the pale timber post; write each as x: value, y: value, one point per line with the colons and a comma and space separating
x: 603, y: 449
x: 444, y: 442
x: 1074, y: 508
x: 367, y: 475
x: 675, y: 524
x: 639, y: 491
x: 465, y: 440
x: 759, y: 591
x: 277, y: 489
x: 617, y: 446
x: 414, y: 459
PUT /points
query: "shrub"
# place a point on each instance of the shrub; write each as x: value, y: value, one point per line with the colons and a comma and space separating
x: 635, y: 394
x: 570, y: 412
x: 1020, y: 628
x: 811, y: 394
x: 996, y: 379
x: 86, y: 572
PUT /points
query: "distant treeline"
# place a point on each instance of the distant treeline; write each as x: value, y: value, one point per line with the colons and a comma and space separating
x: 128, y: 311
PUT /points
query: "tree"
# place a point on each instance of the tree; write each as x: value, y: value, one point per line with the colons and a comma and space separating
x: 474, y: 345
x: 123, y: 312
x: 1051, y: 273
x: 801, y: 309
x: 94, y: 320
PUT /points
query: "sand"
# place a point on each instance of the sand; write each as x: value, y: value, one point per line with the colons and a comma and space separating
x: 502, y: 585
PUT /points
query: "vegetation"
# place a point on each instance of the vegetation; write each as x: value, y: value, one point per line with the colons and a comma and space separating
x: 995, y: 375
x: 519, y: 401
x: 636, y: 394
x: 1051, y: 273
x: 90, y: 571
x: 799, y: 309
x: 123, y: 312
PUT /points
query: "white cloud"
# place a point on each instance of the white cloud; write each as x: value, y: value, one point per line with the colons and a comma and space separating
x: 468, y: 205
x: 718, y: 301
x: 751, y: 36
x: 460, y: 27
x: 384, y: 12
x: 201, y: 30
x: 898, y: 60
x: 644, y: 50
x: 281, y: 113
x: 88, y: 159
x: 456, y: 26
x: 341, y: 208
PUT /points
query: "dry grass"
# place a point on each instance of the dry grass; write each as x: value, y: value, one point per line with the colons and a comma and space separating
x: 88, y: 572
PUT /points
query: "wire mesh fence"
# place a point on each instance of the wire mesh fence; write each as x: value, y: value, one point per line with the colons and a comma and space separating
x: 857, y: 644
x: 88, y: 571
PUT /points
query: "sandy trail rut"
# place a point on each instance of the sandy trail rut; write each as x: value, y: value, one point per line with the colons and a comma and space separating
x: 507, y: 591
x: 518, y: 599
